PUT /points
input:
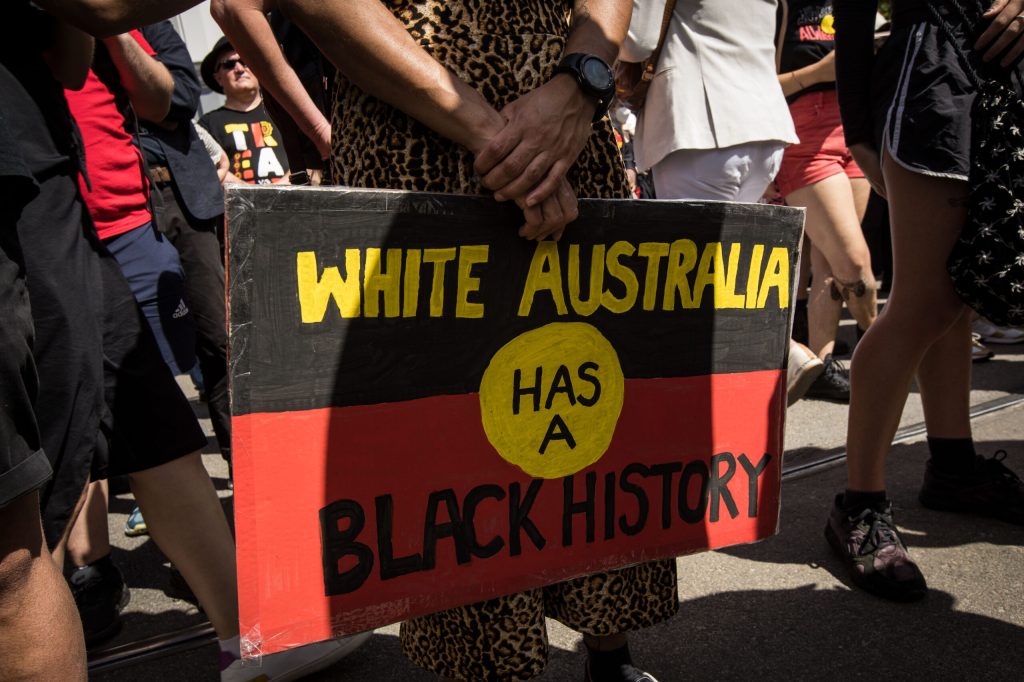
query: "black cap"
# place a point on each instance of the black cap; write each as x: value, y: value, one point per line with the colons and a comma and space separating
x: 209, y: 65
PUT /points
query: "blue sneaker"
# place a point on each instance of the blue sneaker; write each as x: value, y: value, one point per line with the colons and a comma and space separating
x: 135, y: 525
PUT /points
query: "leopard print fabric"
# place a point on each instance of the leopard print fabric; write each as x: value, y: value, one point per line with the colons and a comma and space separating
x: 504, y: 49
x: 506, y: 639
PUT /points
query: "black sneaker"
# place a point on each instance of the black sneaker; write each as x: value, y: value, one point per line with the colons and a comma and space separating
x: 991, y: 489
x: 100, y: 595
x: 833, y: 384
x: 874, y: 554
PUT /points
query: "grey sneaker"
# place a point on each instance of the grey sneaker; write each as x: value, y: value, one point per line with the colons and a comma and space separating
x: 874, y: 554
x: 801, y: 371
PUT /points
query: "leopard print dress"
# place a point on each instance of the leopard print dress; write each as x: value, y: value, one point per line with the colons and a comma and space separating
x: 504, y: 49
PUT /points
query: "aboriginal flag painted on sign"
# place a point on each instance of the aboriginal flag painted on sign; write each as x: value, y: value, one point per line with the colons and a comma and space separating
x: 430, y: 411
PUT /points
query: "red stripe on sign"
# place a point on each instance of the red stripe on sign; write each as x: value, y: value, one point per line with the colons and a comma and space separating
x: 404, y: 509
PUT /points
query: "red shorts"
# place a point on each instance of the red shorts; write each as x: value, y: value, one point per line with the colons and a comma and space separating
x: 822, y: 151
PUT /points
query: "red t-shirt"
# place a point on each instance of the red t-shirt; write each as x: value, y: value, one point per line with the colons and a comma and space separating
x: 117, y: 201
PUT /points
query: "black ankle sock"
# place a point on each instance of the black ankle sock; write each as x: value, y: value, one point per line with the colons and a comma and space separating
x: 952, y: 455
x: 610, y: 666
x: 859, y: 500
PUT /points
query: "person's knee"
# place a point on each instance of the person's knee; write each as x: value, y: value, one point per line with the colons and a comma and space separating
x: 15, y: 572
x: 924, y: 322
x: 21, y: 545
x: 860, y: 263
x: 854, y: 266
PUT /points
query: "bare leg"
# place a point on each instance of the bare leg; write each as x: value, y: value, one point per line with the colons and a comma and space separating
x: 58, y: 551
x: 40, y: 634
x: 864, y: 309
x: 608, y: 657
x: 606, y: 643
x: 944, y: 377
x: 835, y: 207
x: 187, y: 522
x: 823, y: 311
x: 927, y: 214
x: 89, y: 539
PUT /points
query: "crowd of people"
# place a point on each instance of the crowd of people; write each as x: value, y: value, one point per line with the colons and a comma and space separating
x: 112, y: 257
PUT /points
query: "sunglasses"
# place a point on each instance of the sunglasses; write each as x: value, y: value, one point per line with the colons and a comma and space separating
x: 229, y: 64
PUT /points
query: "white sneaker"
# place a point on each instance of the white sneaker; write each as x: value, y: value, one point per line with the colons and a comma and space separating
x: 804, y: 367
x: 294, y: 663
x: 979, y: 353
x: 991, y: 333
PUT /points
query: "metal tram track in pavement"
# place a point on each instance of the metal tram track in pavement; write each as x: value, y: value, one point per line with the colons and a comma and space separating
x: 826, y: 459
x: 106, y: 659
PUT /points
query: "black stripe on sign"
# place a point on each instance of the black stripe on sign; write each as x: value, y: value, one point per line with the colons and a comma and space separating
x: 279, y: 362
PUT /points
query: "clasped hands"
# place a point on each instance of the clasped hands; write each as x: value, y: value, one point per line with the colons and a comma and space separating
x: 527, y: 160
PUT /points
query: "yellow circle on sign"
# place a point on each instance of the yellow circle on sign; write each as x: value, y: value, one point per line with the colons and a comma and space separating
x: 551, y: 397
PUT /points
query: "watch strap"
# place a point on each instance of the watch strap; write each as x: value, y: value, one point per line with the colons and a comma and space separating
x: 572, y: 64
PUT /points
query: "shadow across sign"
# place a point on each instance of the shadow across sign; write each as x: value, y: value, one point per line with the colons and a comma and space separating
x: 430, y: 411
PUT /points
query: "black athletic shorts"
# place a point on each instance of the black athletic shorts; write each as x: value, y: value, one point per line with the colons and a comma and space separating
x: 75, y: 294
x: 100, y: 370
x: 922, y: 98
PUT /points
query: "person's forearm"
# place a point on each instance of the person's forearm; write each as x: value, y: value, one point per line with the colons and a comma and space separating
x: 793, y: 82
x: 245, y: 24
x: 375, y: 52
x: 148, y: 82
x: 172, y: 52
x: 822, y: 71
x: 108, y: 17
x: 599, y: 27
x: 71, y: 55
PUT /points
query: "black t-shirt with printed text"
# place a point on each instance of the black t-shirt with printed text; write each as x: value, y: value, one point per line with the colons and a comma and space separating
x: 810, y: 36
x: 255, y: 150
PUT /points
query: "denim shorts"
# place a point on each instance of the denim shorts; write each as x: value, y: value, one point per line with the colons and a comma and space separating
x: 151, y: 265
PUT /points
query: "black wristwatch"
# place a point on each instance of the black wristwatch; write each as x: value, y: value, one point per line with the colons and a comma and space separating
x: 594, y: 77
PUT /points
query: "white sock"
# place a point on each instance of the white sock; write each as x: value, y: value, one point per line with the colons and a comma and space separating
x: 231, y: 646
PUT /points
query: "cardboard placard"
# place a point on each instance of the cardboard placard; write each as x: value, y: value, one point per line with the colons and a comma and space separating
x: 430, y: 411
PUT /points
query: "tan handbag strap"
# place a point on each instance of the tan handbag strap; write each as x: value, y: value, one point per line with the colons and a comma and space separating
x: 652, y: 62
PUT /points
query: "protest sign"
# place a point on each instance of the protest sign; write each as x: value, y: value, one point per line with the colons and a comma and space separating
x: 430, y: 411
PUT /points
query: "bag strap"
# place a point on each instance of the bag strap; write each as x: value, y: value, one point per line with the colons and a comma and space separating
x: 652, y: 61
x: 950, y: 34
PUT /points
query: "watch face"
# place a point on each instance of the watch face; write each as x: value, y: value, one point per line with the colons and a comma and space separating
x: 597, y: 74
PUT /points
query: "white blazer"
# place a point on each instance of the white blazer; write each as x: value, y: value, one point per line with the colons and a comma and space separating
x: 715, y: 85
